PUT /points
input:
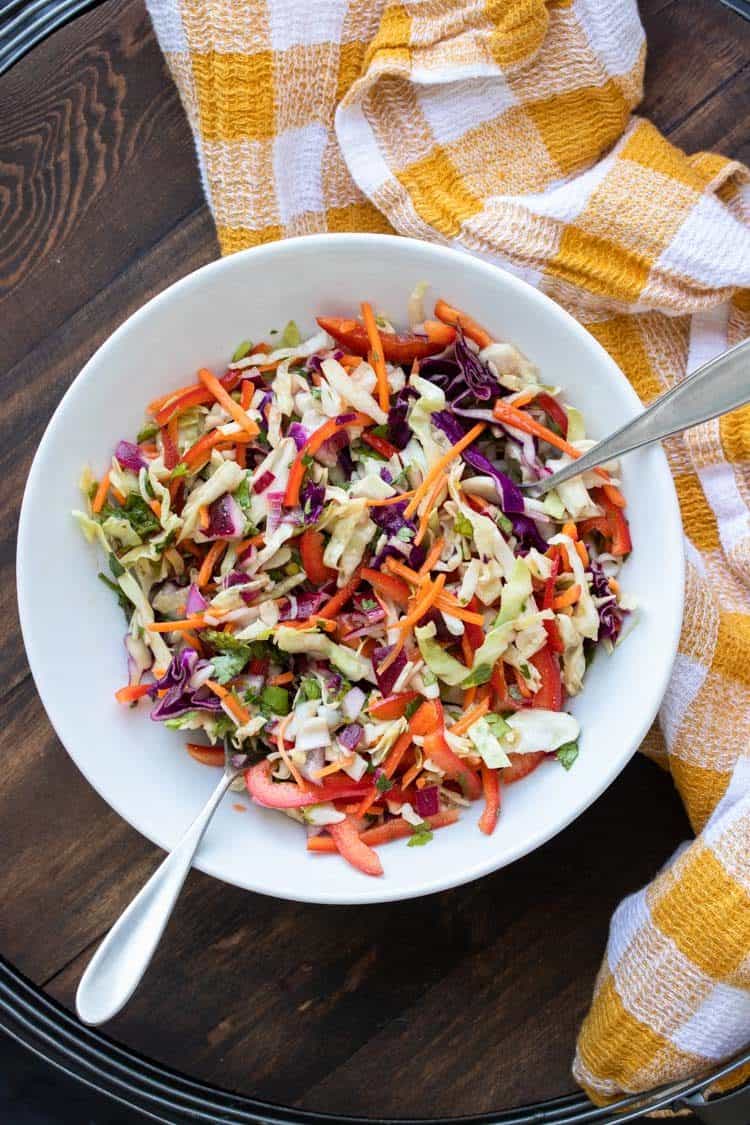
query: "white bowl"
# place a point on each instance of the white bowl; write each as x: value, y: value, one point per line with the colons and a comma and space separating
x: 73, y: 629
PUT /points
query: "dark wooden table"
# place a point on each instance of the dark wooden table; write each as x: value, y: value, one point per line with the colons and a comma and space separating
x: 462, y: 1002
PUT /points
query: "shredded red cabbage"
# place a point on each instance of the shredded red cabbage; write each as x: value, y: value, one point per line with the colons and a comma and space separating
x: 351, y: 736
x: 298, y: 433
x: 388, y: 678
x: 313, y: 497
x: 510, y: 495
x: 130, y: 457
x: 195, y: 603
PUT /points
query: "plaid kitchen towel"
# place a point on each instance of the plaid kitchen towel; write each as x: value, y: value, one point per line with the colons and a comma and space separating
x: 506, y: 128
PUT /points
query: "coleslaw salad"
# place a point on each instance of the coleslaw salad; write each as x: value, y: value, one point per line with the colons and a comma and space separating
x: 330, y: 574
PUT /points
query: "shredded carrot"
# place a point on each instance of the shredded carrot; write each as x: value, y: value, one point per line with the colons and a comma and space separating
x: 120, y: 497
x: 192, y: 641
x: 568, y: 597
x: 377, y: 357
x: 458, y: 319
x: 523, y: 399
x: 402, y: 570
x: 160, y: 403
x: 469, y: 696
x: 570, y: 530
x: 560, y: 551
x: 212, y: 384
x: 195, y: 622
x: 246, y: 394
x: 214, y: 553
x: 280, y: 732
x: 467, y: 652
x: 324, y: 623
x: 340, y: 598
x: 521, y: 684
x: 101, y: 493
x: 445, y: 605
x: 341, y: 764
x: 411, y: 775
x: 505, y: 412
x: 240, y: 713
x: 583, y: 554
x: 282, y: 678
x: 614, y: 585
x: 155, y: 507
x: 392, y: 655
x: 440, y: 483
x: 471, y: 717
x: 440, y: 465
x: 433, y: 556
x: 253, y: 541
x: 390, y: 500
x: 203, y: 517
x: 350, y: 362
x: 429, y: 596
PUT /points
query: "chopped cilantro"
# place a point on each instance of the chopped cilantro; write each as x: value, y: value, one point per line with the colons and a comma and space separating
x: 383, y: 784
x: 307, y: 460
x: 122, y: 599
x: 463, y: 525
x: 116, y: 566
x: 567, y: 754
x: 137, y: 512
x: 311, y: 688
x: 275, y: 699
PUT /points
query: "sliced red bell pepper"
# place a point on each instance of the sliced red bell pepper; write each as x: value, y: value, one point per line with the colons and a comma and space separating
x: 403, y: 350
x: 171, y: 453
x: 439, y: 752
x: 311, y: 547
x: 379, y: 444
x: 554, y: 412
x: 353, y: 849
x: 206, y: 755
x: 397, y: 829
x: 387, y: 584
x: 491, y: 789
x: 521, y: 765
x: 622, y: 544
x: 428, y: 718
x: 550, y: 694
x: 288, y: 795
x: 312, y: 445
x: 392, y: 706
x: 474, y: 633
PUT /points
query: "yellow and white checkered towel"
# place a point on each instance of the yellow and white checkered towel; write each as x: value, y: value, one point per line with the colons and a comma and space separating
x: 505, y: 128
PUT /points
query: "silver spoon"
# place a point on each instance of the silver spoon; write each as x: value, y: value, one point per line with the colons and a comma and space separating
x: 116, y: 969
x: 717, y: 387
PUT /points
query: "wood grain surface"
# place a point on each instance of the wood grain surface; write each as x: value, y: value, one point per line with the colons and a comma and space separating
x: 463, y: 1002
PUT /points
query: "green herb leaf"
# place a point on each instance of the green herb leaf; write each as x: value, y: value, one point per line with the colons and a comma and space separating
x: 383, y: 784
x: 138, y: 514
x: 122, y: 599
x: 421, y: 835
x: 116, y: 566
x: 224, y: 642
x: 149, y: 430
x: 227, y: 665
x: 242, y: 350
x: 275, y: 699
x: 311, y: 688
x: 367, y: 604
x: 380, y: 431
x: 567, y: 754
x: 307, y: 460
x: 463, y: 525
x: 180, y: 470
x: 413, y: 707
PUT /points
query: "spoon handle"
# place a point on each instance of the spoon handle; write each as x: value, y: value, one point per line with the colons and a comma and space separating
x: 115, y: 970
x: 717, y: 387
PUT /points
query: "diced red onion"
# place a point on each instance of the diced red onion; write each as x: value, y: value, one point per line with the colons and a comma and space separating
x: 225, y: 519
x: 352, y: 703
x: 130, y: 456
x: 263, y: 481
x: 427, y: 801
x: 387, y: 679
x: 351, y: 736
x: 275, y: 510
x: 298, y: 434
x: 195, y: 603
x: 314, y: 760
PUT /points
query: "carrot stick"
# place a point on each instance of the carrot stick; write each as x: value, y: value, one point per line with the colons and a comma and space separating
x: 411, y: 775
x: 583, y: 554
x: 212, y: 384
x: 471, y: 717
x: 568, y: 597
x: 433, y: 555
x: 203, y: 517
x: 570, y: 530
x: 282, y: 678
x: 192, y: 641
x: 280, y: 732
x: 334, y: 767
x: 441, y: 464
x: 232, y: 702
x: 614, y: 495
x: 447, y: 606
x: 213, y: 555
x: 431, y: 592
x: 402, y: 570
x: 428, y: 508
x: 521, y: 684
x: 467, y: 324
x: 325, y: 623
x: 342, y: 597
x: 390, y: 500
x: 101, y: 493
x: 197, y: 621
x: 155, y: 507
x: 376, y: 355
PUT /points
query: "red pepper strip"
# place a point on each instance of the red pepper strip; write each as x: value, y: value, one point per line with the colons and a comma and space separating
x: 550, y: 694
x: 491, y: 788
x: 393, y: 706
x: 353, y: 849
x: 402, y: 350
x: 379, y: 444
x: 258, y: 667
x: 622, y: 544
x: 387, y: 584
x: 390, y: 765
x: 398, y: 829
x: 311, y: 547
x: 171, y: 455
x: 131, y: 692
x: 311, y: 446
x: 554, y: 412
x: 439, y: 752
x: 339, y: 600
x: 521, y: 765
x: 428, y: 718
x: 550, y: 627
x: 467, y: 324
x: 287, y: 795
x: 473, y: 633
x: 206, y: 755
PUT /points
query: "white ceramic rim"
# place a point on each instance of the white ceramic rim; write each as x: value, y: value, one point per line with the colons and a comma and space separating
x: 379, y: 888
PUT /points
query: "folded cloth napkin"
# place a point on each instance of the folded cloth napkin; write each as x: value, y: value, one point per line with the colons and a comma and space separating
x: 505, y: 128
